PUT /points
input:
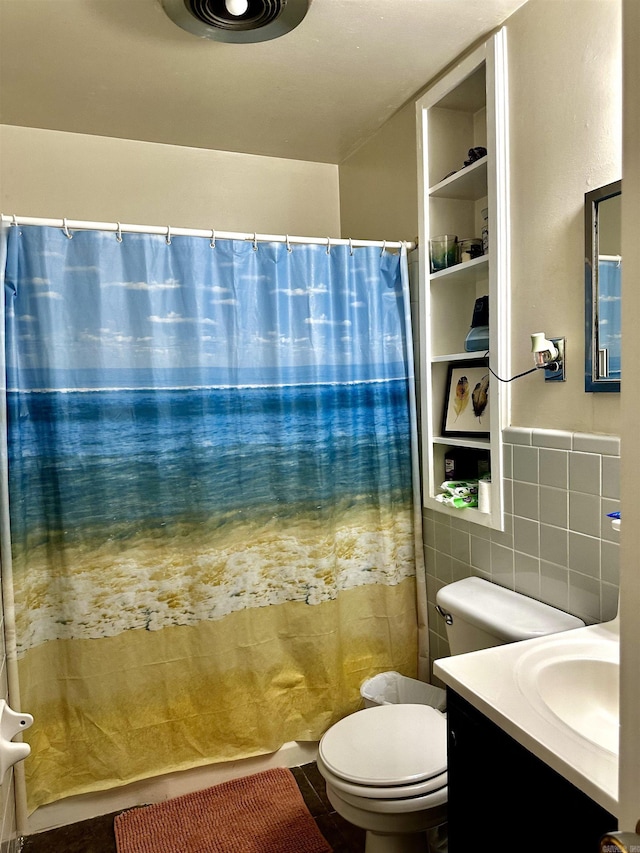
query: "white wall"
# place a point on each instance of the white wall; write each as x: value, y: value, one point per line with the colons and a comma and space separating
x: 55, y: 174
x: 565, y: 139
x: 378, y: 185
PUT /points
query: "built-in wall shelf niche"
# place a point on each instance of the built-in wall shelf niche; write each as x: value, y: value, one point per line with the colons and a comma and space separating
x: 465, y: 109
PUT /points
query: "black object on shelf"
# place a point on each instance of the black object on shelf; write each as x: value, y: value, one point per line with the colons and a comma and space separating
x: 478, y: 338
x: 480, y: 315
x: 474, y: 154
x: 466, y: 463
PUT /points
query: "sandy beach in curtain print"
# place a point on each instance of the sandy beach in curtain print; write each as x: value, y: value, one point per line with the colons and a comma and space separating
x: 139, y: 704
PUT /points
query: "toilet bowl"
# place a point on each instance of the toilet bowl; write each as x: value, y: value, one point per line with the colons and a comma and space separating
x: 386, y: 767
x: 386, y: 771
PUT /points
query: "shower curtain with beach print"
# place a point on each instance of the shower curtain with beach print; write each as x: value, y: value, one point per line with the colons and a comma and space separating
x: 211, y: 496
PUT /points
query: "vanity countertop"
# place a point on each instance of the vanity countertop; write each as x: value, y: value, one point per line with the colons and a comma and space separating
x: 500, y: 682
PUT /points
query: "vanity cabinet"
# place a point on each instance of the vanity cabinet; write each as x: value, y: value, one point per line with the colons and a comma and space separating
x: 465, y: 110
x: 502, y: 797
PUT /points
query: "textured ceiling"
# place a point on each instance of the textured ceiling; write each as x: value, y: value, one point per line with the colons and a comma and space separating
x: 123, y: 68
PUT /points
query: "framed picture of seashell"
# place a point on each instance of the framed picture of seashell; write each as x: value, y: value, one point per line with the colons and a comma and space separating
x: 466, y: 408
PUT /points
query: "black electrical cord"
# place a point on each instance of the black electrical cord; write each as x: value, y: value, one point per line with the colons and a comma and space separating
x: 517, y: 376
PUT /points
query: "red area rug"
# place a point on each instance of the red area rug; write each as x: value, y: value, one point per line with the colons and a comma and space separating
x: 263, y: 813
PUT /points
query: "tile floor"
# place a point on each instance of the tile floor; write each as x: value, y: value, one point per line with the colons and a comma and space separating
x: 96, y: 836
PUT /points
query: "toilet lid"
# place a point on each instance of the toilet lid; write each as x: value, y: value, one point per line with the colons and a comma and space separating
x: 388, y: 745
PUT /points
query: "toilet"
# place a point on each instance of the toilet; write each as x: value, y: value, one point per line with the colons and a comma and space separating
x: 385, y: 767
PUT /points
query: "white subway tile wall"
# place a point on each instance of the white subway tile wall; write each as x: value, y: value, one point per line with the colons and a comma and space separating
x: 558, y: 545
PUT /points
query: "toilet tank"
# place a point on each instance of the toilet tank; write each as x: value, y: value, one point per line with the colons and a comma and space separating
x: 480, y: 615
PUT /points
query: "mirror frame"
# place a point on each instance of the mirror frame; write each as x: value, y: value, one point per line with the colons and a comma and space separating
x: 592, y: 382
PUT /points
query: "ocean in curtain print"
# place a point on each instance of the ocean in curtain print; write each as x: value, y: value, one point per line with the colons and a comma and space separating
x: 198, y: 430
x: 168, y: 507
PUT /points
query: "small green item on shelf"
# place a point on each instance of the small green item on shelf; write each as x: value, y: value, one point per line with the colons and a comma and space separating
x: 460, y: 488
x: 459, y: 502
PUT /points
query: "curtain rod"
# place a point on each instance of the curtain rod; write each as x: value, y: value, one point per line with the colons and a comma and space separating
x: 168, y: 231
x: 617, y: 258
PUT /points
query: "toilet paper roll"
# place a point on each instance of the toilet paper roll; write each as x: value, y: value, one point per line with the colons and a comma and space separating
x: 484, y: 495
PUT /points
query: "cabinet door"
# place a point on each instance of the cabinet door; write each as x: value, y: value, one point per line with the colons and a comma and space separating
x: 502, y: 797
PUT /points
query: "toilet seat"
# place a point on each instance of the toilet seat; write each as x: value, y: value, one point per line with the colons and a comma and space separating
x: 410, y: 805
x: 386, y: 752
x: 398, y: 792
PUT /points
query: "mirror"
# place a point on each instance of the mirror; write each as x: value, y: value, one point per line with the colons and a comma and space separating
x: 603, y: 275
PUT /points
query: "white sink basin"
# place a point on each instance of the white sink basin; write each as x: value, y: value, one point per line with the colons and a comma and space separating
x: 583, y: 693
x: 576, y: 686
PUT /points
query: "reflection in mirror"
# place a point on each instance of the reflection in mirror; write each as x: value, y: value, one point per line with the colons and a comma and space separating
x: 603, y: 274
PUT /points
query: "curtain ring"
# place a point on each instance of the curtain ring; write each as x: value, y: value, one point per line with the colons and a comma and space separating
x: 168, y: 237
x: 289, y: 249
x: 65, y: 229
x: 212, y: 242
x: 15, y: 220
x: 119, y: 233
x: 328, y: 245
x: 350, y: 246
x: 384, y: 246
x: 255, y: 242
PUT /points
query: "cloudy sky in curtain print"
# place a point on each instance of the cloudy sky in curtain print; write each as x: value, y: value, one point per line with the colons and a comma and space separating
x: 91, y: 302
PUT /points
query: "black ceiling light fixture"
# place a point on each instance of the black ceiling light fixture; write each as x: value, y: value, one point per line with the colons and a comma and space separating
x: 239, y: 21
